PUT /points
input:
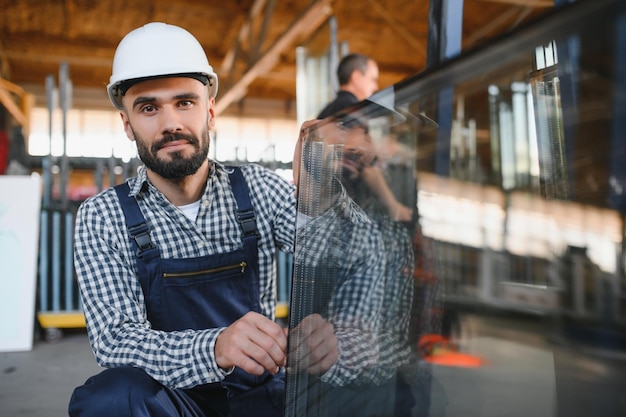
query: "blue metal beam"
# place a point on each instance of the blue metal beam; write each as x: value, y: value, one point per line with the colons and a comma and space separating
x: 445, y: 27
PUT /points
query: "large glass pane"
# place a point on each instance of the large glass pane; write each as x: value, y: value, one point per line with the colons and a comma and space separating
x: 459, y: 247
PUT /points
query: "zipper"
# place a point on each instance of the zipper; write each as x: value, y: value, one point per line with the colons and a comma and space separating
x: 241, y: 265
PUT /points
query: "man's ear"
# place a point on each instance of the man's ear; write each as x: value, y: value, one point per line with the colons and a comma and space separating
x: 357, y: 76
x: 127, y: 127
x: 211, y: 111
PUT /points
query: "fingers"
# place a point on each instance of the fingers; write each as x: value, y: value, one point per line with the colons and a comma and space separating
x: 322, y: 347
x: 314, y: 345
x: 253, y: 343
x: 306, y: 125
x: 297, y: 156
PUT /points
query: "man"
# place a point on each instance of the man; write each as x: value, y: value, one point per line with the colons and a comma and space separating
x: 358, y: 79
x: 390, y: 389
x: 175, y: 266
x: 338, y: 279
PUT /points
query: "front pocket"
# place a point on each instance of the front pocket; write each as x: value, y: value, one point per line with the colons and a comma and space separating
x: 221, y: 269
x: 214, y: 296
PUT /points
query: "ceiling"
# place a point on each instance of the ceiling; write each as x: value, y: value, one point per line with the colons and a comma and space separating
x: 250, y: 43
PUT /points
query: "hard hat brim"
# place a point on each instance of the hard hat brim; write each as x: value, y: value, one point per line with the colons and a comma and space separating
x: 117, y: 90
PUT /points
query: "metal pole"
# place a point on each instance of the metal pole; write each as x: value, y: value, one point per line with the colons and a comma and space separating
x: 64, y: 92
x: 56, y: 260
x: 333, y: 54
x: 617, y: 179
x: 69, y: 261
x: 44, y: 257
x: 445, y: 25
x: 64, y: 222
x: 617, y: 192
x: 112, y: 163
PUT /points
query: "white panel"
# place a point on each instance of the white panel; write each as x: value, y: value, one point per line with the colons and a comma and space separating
x: 20, y: 201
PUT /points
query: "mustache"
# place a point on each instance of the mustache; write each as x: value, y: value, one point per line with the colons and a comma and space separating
x: 172, y: 137
x: 352, y: 156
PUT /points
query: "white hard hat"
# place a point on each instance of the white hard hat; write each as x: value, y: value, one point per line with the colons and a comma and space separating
x: 158, y: 50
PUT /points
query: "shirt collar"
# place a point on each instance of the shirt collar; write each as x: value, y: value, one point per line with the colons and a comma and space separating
x: 142, y: 183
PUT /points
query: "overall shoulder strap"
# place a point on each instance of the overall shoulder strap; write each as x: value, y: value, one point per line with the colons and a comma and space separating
x: 135, y: 222
x: 140, y: 233
x: 147, y: 255
x: 245, y: 215
x: 245, y: 211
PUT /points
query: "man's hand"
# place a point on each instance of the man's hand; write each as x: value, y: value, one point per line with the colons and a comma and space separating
x: 373, y: 177
x: 314, y: 345
x: 253, y: 343
x: 297, y: 154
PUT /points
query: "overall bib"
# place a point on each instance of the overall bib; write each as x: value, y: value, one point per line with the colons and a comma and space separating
x: 207, y: 292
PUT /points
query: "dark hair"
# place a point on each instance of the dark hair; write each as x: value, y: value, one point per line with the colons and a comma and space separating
x: 349, y: 64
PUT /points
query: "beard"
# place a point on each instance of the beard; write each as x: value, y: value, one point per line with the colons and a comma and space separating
x: 352, y: 165
x: 177, y: 166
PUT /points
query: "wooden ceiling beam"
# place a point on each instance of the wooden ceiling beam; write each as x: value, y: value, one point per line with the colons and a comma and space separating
x: 256, y: 46
x: 303, y: 26
x: 233, y: 52
x: 526, y: 3
x: 80, y: 59
x: 20, y: 110
x: 418, y: 46
x: 5, y: 69
x: 508, y: 19
x: 69, y: 24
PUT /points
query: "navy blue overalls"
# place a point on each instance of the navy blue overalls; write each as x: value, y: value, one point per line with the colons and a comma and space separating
x: 206, y: 292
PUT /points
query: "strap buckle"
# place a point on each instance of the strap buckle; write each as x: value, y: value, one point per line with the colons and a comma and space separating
x: 141, y: 235
x: 247, y: 221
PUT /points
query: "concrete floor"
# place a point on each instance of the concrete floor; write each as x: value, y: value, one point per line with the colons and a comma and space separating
x: 39, y: 383
x: 526, y: 375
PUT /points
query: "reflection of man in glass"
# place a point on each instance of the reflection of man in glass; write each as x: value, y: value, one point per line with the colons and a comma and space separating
x: 347, y: 274
x: 336, y: 264
x: 358, y: 161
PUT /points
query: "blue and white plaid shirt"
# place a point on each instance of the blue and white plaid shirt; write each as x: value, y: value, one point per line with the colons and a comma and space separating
x: 113, y: 302
x: 342, y: 252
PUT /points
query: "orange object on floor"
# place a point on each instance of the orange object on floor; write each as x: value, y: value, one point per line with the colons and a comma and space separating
x: 438, y: 350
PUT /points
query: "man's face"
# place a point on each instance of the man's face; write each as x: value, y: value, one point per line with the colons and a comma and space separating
x: 358, y: 153
x: 170, y: 120
x: 350, y: 144
x: 367, y: 82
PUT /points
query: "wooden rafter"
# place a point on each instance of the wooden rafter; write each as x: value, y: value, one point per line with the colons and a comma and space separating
x: 228, y: 62
x: 36, y: 37
x: 303, y: 26
x: 20, y: 108
x: 4, y: 63
x: 510, y: 18
x: 40, y: 55
x: 526, y: 3
x: 255, y: 47
x: 418, y: 46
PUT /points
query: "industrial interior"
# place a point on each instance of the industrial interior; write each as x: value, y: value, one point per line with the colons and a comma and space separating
x: 507, y: 123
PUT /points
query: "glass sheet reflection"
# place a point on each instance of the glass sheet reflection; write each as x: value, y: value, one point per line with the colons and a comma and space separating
x: 470, y: 265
